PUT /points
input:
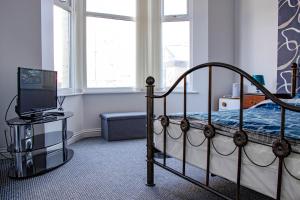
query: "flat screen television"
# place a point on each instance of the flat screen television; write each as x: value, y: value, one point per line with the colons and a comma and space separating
x: 37, y: 91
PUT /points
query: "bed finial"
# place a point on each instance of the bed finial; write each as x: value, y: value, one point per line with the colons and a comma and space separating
x: 294, y: 68
x: 150, y: 80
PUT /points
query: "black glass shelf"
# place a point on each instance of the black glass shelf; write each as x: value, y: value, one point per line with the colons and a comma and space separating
x: 41, y: 163
x: 40, y: 141
x: 37, y: 154
x: 45, y: 119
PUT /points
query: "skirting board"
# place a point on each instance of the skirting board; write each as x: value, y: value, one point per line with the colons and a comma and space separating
x: 79, y: 135
x: 87, y: 133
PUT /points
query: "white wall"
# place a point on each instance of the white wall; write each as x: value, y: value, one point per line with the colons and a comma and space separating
x: 221, y: 32
x: 94, y: 104
x: 46, y: 34
x: 26, y: 40
x: 20, y: 45
x: 257, y: 26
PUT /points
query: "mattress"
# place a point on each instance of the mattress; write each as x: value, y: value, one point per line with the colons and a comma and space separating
x: 259, y: 165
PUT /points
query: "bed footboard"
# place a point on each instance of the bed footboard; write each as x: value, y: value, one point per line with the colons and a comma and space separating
x: 281, y: 147
x: 150, y: 144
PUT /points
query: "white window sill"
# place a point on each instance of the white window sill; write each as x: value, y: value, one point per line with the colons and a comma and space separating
x: 68, y: 92
x: 130, y: 91
x: 95, y: 91
x: 175, y: 91
x: 112, y: 91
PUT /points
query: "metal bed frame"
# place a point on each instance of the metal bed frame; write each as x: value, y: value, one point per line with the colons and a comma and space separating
x: 281, y: 147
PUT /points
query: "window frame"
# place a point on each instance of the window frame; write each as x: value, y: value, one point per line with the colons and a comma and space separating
x: 86, y: 89
x: 148, y: 36
x: 179, y: 18
x: 68, y: 6
x: 184, y: 17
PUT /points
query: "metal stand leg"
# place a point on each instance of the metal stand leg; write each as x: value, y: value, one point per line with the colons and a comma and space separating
x: 18, y: 155
x: 64, y: 138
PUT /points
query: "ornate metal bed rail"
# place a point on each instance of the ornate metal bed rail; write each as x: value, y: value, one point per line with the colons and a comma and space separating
x: 281, y: 146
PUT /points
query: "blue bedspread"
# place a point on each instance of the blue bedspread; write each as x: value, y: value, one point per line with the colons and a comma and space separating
x: 264, y: 119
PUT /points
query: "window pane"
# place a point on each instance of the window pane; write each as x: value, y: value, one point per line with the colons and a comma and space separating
x: 62, y: 46
x: 176, y: 50
x: 110, y: 53
x: 117, y: 7
x: 175, y: 7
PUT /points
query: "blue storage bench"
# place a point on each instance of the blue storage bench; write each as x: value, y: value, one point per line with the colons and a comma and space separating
x: 123, y: 126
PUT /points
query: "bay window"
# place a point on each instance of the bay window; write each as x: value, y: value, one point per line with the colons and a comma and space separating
x: 127, y: 40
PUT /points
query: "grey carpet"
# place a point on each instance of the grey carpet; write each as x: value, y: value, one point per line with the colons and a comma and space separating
x: 111, y: 170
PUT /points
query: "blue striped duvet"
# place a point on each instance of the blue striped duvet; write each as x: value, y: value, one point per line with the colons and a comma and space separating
x: 262, y: 119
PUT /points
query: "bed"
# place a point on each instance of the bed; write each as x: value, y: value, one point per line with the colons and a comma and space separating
x: 258, y: 148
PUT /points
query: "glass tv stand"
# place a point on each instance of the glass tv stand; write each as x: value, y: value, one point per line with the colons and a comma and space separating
x: 35, y: 154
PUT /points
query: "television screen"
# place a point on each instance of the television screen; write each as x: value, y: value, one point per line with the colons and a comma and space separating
x: 37, y: 91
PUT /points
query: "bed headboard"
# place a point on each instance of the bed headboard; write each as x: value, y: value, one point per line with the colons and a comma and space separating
x: 243, y: 75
